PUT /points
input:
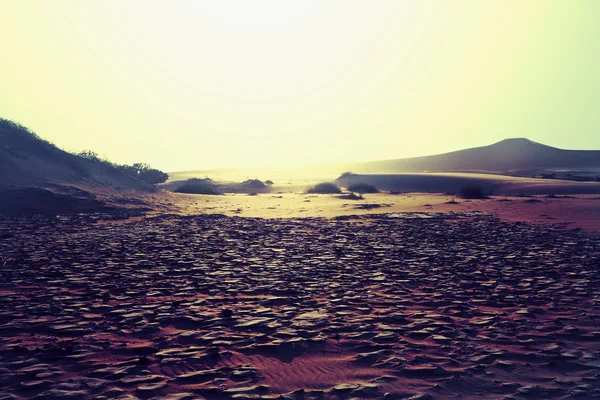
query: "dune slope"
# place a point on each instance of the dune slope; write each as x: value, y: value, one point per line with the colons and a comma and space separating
x: 502, y: 157
x: 38, y: 177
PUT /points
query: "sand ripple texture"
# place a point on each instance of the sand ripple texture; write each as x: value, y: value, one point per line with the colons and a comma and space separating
x: 214, y: 307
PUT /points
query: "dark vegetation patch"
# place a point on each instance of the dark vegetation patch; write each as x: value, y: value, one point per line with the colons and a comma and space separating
x: 324, y: 188
x: 370, y: 206
x: 362, y: 188
x: 199, y: 186
x: 351, y: 196
x: 141, y: 171
x: 249, y: 186
x: 473, y: 193
x: 206, y: 185
x: 253, y: 184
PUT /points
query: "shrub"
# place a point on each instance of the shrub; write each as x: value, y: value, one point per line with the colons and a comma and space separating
x: 142, y: 171
x: 324, y: 188
x: 269, y: 182
x: 362, y: 188
x: 370, y: 206
x: 145, y: 172
x: 254, y: 184
x: 89, y: 155
x: 351, y: 196
x: 153, y: 176
x: 472, y: 192
x: 198, y: 186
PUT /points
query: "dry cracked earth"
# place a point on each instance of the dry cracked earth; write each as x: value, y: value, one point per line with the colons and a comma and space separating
x: 420, y: 306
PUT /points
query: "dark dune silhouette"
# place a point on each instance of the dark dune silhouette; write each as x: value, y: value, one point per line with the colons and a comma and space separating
x: 504, y: 157
x: 483, y: 167
x: 512, y: 157
x: 37, y: 177
x: 27, y: 160
x: 454, y: 183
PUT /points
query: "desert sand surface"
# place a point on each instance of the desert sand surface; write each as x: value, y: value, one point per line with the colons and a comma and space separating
x: 111, y: 292
x: 581, y: 211
x: 419, y: 305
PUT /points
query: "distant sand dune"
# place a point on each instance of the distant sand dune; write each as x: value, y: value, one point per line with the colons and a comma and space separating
x: 454, y: 182
x: 502, y: 157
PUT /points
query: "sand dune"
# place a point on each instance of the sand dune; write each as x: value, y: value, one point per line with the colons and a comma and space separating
x: 512, y: 157
x: 38, y: 177
x: 502, y: 157
x: 28, y: 161
x: 455, y: 182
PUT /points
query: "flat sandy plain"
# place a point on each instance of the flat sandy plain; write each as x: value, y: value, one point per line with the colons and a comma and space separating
x: 545, y: 201
x: 393, y: 296
x: 579, y: 211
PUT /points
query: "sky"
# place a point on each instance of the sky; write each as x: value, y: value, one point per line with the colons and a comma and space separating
x: 188, y: 84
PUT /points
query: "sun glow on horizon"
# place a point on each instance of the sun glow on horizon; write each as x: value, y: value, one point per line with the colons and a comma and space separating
x: 196, y: 84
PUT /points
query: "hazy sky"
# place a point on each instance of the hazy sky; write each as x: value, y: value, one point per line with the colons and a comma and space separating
x: 194, y: 85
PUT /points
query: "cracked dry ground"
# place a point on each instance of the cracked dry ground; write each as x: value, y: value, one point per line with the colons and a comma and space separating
x: 216, y: 307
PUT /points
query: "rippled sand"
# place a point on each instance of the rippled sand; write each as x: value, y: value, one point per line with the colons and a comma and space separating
x: 426, y: 305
